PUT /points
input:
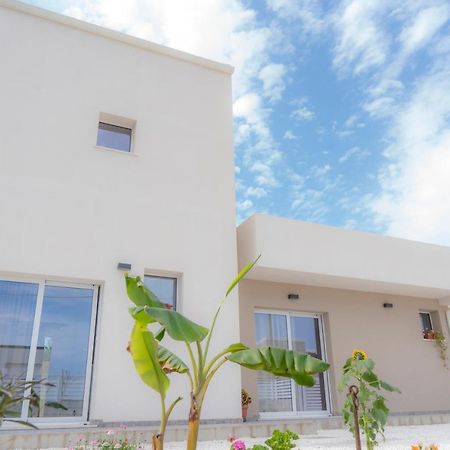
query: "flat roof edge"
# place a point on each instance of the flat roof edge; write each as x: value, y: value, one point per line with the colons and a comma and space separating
x: 115, y: 35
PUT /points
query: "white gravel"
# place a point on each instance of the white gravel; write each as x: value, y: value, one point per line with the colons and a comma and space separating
x: 396, y: 438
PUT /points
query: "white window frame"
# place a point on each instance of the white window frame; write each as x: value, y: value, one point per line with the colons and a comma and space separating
x: 33, y: 349
x: 326, y: 376
x: 117, y: 121
x: 431, y: 320
x: 168, y: 274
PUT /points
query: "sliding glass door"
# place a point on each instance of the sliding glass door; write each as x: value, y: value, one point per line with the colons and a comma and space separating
x: 46, y: 333
x: 280, y: 396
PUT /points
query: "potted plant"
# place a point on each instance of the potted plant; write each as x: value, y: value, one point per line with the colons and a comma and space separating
x: 428, y: 334
x: 245, y: 401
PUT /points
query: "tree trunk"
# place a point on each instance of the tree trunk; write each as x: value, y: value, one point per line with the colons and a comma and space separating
x: 157, y: 441
x: 193, y: 424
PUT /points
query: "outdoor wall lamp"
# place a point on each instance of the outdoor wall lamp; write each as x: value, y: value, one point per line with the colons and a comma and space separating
x: 293, y: 296
x: 388, y: 305
x: 123, y: 266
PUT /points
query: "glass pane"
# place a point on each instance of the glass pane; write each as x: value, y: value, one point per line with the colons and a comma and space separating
x: 61, y: 356
x: 274, y: 393
x: 426, y: 321
x: 17, y: 309
x: 306, y: 339
x: 164, y: 288
x: 113, y: 136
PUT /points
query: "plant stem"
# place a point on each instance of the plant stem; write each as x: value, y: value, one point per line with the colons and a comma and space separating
x: 194, y: 421
x: 208, y: 339
x: 200, y: 362
x: 194, y: 364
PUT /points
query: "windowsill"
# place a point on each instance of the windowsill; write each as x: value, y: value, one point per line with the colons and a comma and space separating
x: 99, y: 147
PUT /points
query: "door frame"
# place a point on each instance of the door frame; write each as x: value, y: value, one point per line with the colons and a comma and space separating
x: 42, y: 283
x: 326, y: 378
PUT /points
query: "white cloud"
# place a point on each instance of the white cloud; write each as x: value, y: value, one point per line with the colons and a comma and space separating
x: 361, y: 42
x: 273, y: 83
x: 305, y: 12
x: 244, y: 205
x: 303, y: 114
x: 354, y: 153
x: 415, y: 181
x: 257, y: 192
x: 320, y: 172
x: 289, y: 135
x: 423, y: 28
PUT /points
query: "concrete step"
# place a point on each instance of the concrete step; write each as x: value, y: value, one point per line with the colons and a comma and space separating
x: 61, y: 438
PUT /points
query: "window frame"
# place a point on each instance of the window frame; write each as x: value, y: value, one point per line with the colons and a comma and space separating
x: 42, y: 283
x: 421, y: 321
x: 130, y: 135
x: 326, y: 376
x: 167, y: 276
x: 118, y: 122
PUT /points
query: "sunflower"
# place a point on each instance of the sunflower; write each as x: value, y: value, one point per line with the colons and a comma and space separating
x: 359, y: 355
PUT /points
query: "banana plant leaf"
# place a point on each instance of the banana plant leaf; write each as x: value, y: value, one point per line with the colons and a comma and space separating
x: 170, y: 362
x: 138, y: 313
x: 282, y: 363
x: 139, y: 294
x: 179, y: 327
x: 233, y: 348
x: 241, y: 275
x: 144, y: 352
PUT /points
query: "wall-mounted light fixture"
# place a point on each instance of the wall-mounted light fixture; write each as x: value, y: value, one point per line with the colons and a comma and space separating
x: 293, y: 296
x: 123, y: 266
x: 388, y: 305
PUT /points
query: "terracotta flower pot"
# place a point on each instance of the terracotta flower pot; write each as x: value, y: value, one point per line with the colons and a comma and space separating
x: 244, y: 413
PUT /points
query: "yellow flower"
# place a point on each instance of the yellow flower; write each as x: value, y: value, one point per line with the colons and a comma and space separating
x: 358, y: 354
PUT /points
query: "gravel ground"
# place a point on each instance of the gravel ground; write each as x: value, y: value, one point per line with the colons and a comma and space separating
x: 396, y: 438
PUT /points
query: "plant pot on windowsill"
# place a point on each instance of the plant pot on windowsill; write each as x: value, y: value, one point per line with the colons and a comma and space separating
x: 244, y: 413
x: 428, y: 335
x: 245, y: 401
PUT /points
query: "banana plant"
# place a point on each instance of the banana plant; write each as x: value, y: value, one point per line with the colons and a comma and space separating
x: 154, y: 363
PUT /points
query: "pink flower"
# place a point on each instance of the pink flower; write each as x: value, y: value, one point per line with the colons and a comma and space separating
x: 238, y: 445
x: 230, y: 438
x: 111, y: 432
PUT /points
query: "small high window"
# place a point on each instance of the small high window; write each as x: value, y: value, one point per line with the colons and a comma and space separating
x: 165, y: 288
x: 425, y: 319
x: 115, y: 132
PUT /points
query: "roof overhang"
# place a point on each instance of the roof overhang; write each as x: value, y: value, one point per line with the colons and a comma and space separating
x: 312, y: 254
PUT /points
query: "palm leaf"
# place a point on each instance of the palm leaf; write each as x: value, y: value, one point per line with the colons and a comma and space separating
x: 144, y: 352
x: 179, y: 327
x: 241, y: 275
x: 139, y: 294
x: 281, y: 363
x: 170, y: 362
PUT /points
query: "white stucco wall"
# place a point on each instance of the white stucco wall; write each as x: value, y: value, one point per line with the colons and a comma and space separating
x: 71, y: 211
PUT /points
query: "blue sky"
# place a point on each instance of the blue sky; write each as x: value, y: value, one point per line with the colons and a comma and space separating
x: 342, y: 108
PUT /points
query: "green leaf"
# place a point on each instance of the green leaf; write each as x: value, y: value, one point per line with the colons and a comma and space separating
x: 233, y: 348
x: 159, y: 335
x: 371, y: 378
x: 388, y: 387
x: 241, y: 275
x: 144, y: 351
x: 139, y: 294
x: 22, y: 422
x: 281, y: 362
x: 380, y: 411
x: 170, y: 362
x: 179, y: 327
x: 138, y: 313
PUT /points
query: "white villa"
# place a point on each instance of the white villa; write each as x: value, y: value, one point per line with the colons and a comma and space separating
x: 116, y: 154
